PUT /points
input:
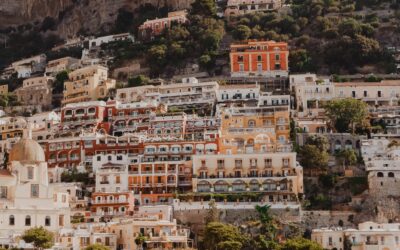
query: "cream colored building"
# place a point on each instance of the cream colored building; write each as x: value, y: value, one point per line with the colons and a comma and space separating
x: 87, y: 84
x: 278, y: 175
x: 62, y: 64
x: 368, y: 236
x: 26, y: 198
x: 186, y: 95
x: 84, y: 235
x: 36, y: 92
x: 255, y: 129
x: 156, y: 223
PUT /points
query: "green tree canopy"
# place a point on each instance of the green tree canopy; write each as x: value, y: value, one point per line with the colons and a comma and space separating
x: 242, y: 32
x: 320, y: 141
x: 223, y: 236
x: 300, y: 244
x: 97, y: 247
x: 39, y: 237
x: 346, y: 113
x: 212, y: 214
x: 204, y: 8
x: 346, y: 157
x: 58, y: 85
x: 313, y: 158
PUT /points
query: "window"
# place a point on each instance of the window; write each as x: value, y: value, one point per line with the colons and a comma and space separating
x: 47, y: 221
x: 11, y: 220
x: 251, y: 123
x: 240, y: 58
x: 30, y: 173
x: 268, y: 162
x: 277, y: 57
x: 117, y: 179
x: 259, y: 58
x: 27, y: 220
x: 379, y: 93
x: 34, y: 190
x: 365, y: 93
x: 61, y: 220
x: 353, y: 93
x: 3, y: 192
x: 241, y: 67
x: 277, y: 66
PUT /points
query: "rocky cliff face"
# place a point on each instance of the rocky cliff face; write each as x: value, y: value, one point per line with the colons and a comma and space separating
x: 73, y: 15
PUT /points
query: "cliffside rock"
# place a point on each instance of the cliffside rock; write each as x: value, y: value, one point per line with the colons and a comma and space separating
x: 74, y: 15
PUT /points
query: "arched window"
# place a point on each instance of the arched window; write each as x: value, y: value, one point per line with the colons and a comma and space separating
x: 391, y: 174
x: 27, y: 220
x: 380, y: 174
x: 251, y: 123
x: 47, y: 221
x: 11, y: 220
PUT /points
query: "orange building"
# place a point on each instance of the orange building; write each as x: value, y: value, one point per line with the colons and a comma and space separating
x: 259, y: 58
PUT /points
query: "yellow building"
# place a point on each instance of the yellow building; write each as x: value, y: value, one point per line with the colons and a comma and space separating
x: 255, y: 130
x: 87, y: 84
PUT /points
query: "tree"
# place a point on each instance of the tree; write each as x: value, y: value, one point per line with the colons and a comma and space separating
x: 349, y: 27
x: 300, y: 243
x: 229, y: 245
x: 268, y: 224
x: 140, y: 240
x: 212, y: 214
x: 138, y: 81
x: 347, y: 157
x: 96, y: 247
x: 204, y: 8
x: 242, y: 32
x: 222, y: 236
x: 320, y: 141
x: 345, y: 113
x: 300, y: 61
x: 312, y: 157
x: 39, y: 237
x: 58, y: 85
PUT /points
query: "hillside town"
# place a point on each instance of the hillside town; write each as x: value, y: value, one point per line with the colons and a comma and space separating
x: 124, y: 141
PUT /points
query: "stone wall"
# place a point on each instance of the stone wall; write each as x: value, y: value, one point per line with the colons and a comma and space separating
x: 318, y: 219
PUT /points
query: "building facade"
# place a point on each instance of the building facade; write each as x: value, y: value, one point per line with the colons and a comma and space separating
x: 87, y: 84
x: 259, y: 58
x: 240, y: 7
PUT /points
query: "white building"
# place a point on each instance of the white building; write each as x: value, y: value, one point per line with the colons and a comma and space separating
x: 241, y: 7
x: 98, y: 41
x: 311, y: 92
x: 111, y: 172
x: 368, y: 236
x: 25, y: 67
x: 26, y: 198
x: 229, y: 93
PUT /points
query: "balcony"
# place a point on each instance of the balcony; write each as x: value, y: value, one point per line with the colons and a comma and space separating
x: 116, y: 201
x: 104, y: 182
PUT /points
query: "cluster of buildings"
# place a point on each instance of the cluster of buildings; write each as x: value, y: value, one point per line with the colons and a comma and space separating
x: 144, y: 146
